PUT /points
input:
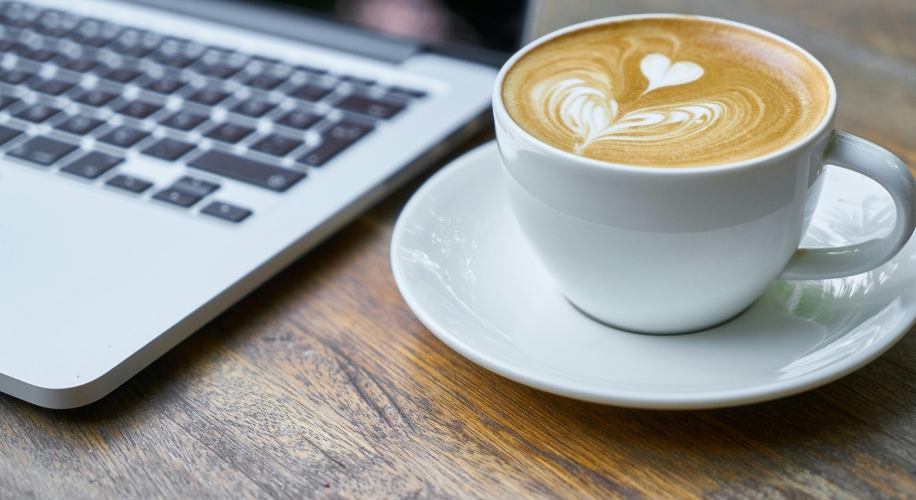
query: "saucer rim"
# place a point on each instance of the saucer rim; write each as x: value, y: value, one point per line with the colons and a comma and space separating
x: 676, y: 400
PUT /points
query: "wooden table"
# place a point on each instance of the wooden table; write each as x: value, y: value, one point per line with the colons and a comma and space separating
x: 322, y: 383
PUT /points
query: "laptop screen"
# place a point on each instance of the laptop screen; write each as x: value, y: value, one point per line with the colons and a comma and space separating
x: 495, y: 25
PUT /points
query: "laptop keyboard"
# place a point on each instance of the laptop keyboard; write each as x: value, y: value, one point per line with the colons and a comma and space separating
x: 246, y: 117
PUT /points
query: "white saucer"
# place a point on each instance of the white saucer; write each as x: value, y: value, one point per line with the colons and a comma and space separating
x: 465, y: 269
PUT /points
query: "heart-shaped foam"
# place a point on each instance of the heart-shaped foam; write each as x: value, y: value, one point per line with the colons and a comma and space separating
x: 661, y: 73
x: 589, y: 114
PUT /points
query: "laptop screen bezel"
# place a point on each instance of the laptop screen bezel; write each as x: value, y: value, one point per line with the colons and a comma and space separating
x: 291, y: 21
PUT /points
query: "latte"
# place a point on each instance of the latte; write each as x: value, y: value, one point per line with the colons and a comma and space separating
x: 666, y: 92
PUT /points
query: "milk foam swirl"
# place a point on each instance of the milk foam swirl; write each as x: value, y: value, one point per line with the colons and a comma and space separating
x: 677, y: 92
x: 592, y: 116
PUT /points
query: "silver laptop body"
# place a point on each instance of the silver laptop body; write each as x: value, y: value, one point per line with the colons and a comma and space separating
x: 143, y: 196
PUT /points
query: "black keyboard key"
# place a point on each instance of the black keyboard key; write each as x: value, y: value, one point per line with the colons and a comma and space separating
x: 226, y: 211
x: 245, y: 170
x: 174, y: 60
x: 96, y: 98
x: 229, y: 132
x: 357, y: 80
x: 220, y: 71
x: 128, y: 183
x: 80, y: 125
x: 194, y: 186
x: 53, y: 87
x: 42, y: 150
x: 169, y: 149
x: 176, y: 197
x: 56, y: 31
x: 208, y: 97
x: 124, y: 137
x: 178, y: 61
x: 406, y: 92
x: 7, y: 101
x: 376, y: 108
x: 139, y: 109
x: 276, y: 145
x: 15, y: 76
x: 335, y: 139
x: 96, y: 42
x: 37, y: 113
x: 8, y: 134
x: 265, y: 82
x: 310, y: 93
x: 253, y: 108
x: 81, y: 65
x: 137, y: 51
x: 265, y: 60
x: 164, y: 86
x: 171, y: 44
x: 184, y: 120
x: 18, y: 23
x: 9, y: 46
x: 120, y: 75
x: 312, y: 70
x: 93, y: 165
x: 299, y: 119
x: 40, y: 55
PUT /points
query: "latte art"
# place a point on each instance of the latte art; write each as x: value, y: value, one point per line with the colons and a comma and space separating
x: 661, y: 73
x: 582, y: 109
x: 666, y: 92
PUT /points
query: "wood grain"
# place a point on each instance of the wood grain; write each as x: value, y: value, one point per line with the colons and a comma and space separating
x: 323, y: 383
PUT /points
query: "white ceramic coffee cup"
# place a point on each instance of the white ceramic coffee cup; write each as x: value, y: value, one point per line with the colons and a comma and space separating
x: 673, y: 250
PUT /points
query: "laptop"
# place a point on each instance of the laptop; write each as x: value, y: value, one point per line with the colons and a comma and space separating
x: 160, y: 159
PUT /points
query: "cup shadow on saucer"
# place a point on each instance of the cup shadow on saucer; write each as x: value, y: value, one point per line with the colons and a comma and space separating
x: 637, y: 332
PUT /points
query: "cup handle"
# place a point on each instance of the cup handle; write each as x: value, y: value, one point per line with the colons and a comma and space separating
x: 866, y: 158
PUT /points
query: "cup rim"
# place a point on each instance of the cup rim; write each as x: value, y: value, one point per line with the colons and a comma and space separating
x: 824, y: 125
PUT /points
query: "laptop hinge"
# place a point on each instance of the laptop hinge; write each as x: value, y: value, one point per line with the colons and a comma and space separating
x: 290, y: 22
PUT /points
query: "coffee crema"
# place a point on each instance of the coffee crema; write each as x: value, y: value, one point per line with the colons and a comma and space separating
x: 666, y: 92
